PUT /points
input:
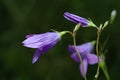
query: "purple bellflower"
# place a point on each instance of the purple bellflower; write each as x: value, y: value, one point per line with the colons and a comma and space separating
x: 85, y: 52
x: 43, y: 42
x: 78, y: 20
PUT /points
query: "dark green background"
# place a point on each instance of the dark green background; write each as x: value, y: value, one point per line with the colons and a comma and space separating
x: 21, y: 17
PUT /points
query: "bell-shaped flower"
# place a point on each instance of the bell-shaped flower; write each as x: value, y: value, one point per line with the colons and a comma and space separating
x: 78, y: 20
x: 85, y: 51
x: 43, y: 42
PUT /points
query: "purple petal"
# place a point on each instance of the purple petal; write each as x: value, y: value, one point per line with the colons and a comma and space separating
x: 92, y: 58
x: 36, y: 55
x: 85, y: 63
x: 83, y: 49
x: 86, y: 47
x: 39, y: 40
x: 35, y: 45
x: 41, y: 51
x: 33, y: 39
x: 75, y: 57
x: 71, y: 48
x: 76, y: 19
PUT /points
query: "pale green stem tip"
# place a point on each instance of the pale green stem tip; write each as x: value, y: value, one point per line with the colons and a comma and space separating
x: 91, y: 24
x: 62, y: 33
x: 93, y: 42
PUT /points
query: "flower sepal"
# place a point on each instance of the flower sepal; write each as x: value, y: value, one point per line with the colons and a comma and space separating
x: 62, y: 33
x: 91, y: 24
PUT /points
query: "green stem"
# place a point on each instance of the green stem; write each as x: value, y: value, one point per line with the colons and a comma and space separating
x: 74, y: 41
x: 104, y: 68
x: 97, y: 52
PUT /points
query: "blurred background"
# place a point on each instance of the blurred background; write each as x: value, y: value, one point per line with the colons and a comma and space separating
x: 21, y: 17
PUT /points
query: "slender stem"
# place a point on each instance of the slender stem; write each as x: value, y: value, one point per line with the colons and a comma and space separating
x: 97, y: 52
x: 104, y: 68
x: 74, y: 41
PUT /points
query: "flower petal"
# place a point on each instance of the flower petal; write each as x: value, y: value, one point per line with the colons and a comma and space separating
x: 86, y: 47
x: 35, y: 45
x: 83, y: 48
x: 76, y: 19
x: 38, y: 40
x: 33, y: 39
x: 75, y: 57
x: 71, y: 48
x: 36, y: 55
x: 85, y: 63
x: 92, y: 58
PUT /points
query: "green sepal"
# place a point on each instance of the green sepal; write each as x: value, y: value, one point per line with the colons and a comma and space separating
x: 63, y: 33
x: 91, y: 24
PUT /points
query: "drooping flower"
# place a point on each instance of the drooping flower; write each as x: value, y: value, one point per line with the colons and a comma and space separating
x: 78, y: 20
x: 85, y: 51
x: 43, y: 42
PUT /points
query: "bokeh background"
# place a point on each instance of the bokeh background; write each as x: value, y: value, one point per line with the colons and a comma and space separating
x: 21, y: 17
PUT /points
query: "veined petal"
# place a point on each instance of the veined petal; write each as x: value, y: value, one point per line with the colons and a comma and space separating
x: 92, y: 58
x: 85, y: 63
x: 35, y: 45
x: 36, y: 55
x: 76, y: 19
x: 33, y: 39
x: 38, y: 40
